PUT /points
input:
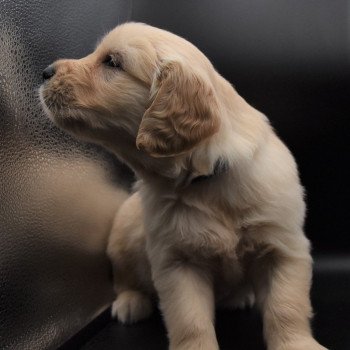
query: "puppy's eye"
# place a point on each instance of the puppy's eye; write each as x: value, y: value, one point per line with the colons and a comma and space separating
x: 111, y: 61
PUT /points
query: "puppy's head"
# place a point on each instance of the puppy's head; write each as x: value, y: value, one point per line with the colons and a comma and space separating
x: 154, y: 86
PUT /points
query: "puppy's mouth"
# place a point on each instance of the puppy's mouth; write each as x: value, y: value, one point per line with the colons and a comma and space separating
x: 59, y: 106
x: 56, y: 99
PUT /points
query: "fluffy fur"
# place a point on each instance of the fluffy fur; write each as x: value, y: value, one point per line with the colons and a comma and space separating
x: 231, y: 239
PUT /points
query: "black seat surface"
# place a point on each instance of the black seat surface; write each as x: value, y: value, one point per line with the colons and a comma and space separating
x: 57, y: 196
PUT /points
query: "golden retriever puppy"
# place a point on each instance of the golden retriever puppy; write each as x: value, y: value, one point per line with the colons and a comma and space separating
x: 218, y: 213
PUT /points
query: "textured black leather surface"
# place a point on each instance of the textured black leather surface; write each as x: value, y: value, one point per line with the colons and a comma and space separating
x: 57, y: 196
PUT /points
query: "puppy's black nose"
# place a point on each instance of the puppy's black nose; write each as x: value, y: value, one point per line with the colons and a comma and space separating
x: 49, y: 72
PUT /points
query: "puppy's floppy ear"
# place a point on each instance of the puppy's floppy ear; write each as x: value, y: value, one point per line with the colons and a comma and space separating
x: 184, y: 111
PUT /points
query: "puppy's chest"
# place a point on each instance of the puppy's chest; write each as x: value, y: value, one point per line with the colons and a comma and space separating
x: 204, y: 229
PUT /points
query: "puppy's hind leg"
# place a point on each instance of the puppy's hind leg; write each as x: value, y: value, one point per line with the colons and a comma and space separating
x: 131, y: 269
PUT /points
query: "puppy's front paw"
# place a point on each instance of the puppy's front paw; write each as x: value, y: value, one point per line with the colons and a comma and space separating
x: 131, y: 306
x: 302, y: 344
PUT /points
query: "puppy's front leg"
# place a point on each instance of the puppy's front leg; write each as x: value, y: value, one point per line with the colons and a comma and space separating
x: 187, y: 302
x: 283, y: 283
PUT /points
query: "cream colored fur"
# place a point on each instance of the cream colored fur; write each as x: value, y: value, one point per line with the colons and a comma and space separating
x: 230, y: 240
